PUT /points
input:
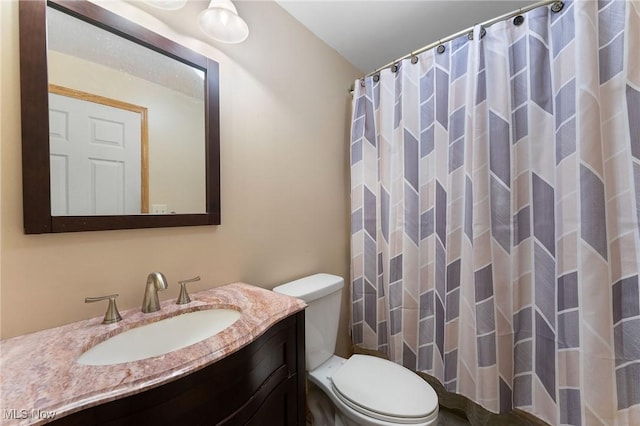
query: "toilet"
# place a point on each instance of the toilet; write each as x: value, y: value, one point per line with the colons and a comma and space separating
x: 364, y: 390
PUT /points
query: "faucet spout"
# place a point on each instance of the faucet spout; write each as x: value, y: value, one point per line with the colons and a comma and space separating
x: 156, y: 282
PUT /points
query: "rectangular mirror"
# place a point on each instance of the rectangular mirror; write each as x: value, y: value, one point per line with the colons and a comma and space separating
x: 129, y: 133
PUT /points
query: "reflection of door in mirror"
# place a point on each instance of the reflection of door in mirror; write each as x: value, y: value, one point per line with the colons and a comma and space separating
x: 98, y: 155
x: 89, y: 59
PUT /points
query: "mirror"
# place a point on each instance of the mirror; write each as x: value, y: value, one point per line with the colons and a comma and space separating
x: 126, y: 125
x: 129, y: 133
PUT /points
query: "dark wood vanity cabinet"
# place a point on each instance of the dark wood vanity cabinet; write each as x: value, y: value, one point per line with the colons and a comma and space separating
x: 260, y: 384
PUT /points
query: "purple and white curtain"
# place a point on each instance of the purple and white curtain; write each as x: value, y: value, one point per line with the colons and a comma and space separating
x: 495, y: 207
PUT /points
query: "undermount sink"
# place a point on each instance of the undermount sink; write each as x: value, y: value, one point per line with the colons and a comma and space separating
x: 160, y: 337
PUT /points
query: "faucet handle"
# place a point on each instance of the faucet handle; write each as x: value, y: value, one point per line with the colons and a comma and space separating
x: 112, y: 315
x: 184, y: 298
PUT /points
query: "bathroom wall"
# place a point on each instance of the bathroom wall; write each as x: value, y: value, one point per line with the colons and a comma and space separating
x: 284, y: 114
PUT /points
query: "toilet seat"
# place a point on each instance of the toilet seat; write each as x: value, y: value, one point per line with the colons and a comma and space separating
x: 384, y: 390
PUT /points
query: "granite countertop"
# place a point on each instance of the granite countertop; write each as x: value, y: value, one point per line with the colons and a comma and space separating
x: 39, y: 375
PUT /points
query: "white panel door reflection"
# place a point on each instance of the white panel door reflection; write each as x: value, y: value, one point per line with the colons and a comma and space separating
x: 95, y: 158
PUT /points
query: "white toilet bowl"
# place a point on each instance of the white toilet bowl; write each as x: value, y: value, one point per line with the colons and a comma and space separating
x: 365, y: 390
x: 371, y: 391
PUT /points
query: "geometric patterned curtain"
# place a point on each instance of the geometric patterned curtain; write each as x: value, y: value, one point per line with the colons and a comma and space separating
x: 495, y: 193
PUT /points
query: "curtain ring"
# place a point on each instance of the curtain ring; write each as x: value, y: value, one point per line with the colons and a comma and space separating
x: 414, y: 59
x: 441, y: 49
x: 518, y: 20
x: 394, y: 68
x: 483, y: 32
x: 557, y: 6
x: 470, y: 35
x: 376, y: 77
x: 362, y: 84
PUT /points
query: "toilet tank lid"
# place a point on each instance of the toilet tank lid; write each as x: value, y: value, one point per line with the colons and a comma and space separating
x: 312, y: 287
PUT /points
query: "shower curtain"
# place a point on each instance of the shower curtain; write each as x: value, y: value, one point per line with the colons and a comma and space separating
x: 495, y: 190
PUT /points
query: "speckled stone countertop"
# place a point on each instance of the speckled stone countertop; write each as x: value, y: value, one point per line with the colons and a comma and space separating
x: 39, y: 374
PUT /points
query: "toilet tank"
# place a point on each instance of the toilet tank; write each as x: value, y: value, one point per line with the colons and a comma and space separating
x: 323, y: 294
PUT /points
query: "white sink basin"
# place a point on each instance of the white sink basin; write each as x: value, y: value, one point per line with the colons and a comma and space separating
x: 160, y: 337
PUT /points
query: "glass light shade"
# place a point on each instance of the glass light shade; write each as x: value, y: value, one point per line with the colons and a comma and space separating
x: 221, y: 22
x: 167, y: 4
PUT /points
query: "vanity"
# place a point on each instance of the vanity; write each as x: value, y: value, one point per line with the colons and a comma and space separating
x: 251, y: 372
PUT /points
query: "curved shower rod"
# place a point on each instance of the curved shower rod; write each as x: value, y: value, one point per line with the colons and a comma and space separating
x: 557, y: 7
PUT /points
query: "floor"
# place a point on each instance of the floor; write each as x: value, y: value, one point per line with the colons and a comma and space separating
x: 448, y: 417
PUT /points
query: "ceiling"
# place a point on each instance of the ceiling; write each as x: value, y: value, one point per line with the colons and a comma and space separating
x: 75, y: 38
x: 369, y: 34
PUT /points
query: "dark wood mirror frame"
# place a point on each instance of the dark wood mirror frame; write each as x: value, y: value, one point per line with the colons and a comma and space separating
x: 35, y: 121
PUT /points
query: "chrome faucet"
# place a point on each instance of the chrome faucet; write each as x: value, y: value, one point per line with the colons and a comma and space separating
x: 155, y: 282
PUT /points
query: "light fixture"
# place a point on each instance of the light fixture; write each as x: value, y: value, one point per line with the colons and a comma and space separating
x: 167, y: 4
x: 221, y: 22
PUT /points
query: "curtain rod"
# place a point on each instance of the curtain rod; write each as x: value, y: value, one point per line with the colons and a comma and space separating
x: 557, y: 7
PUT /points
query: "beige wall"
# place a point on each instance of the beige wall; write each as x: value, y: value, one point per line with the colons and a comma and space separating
x: 284, y: 114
